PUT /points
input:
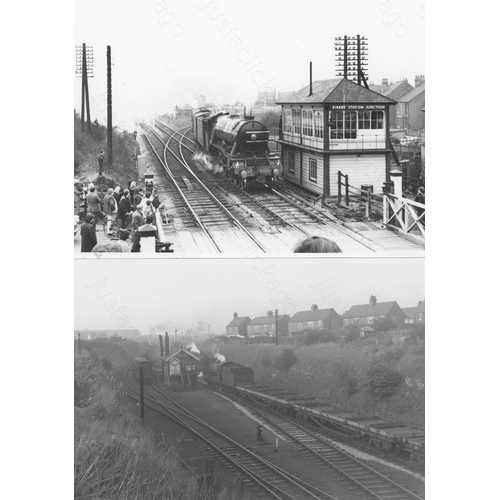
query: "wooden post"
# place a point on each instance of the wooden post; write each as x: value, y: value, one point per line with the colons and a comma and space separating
x: 276, y: 326
x: 141, y: 391
x: 368, y: 203
x: 339, y: 186
x: 79, y: 345
x: 346, y: 190
x: 110, y: 109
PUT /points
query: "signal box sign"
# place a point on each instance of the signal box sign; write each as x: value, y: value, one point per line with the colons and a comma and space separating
x: 347, y: 107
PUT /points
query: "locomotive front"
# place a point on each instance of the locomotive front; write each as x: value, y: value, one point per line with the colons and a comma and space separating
x: 251, y: 136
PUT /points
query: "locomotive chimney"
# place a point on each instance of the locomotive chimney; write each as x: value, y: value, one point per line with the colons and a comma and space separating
x: 310, y: 78
x: 373, y: 300
x: 314, y: 307
x: 167, y: 345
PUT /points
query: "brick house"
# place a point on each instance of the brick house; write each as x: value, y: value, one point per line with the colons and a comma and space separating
x: 368, y: 314
x: 315, y: 319
x: 266, y: 325
x: 410, y: 113
x: 415, y: 315
x: 238, y: 326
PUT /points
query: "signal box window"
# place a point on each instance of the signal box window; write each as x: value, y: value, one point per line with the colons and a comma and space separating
x: 296, y: 121
x: 291, y: 163
x: 318, y: 124
x: 350, y: 125
x: 313, y: 170
x: 337, y: 125
x: 377, y: 119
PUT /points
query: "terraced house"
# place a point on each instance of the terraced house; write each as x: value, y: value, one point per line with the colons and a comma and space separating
x: 368, y: 314
x: 266, y: 325
x: 238, y: 326
x: 315, y: 319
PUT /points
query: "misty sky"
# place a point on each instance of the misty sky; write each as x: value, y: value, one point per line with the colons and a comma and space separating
x: 167, y: 52
x: 117, y: 293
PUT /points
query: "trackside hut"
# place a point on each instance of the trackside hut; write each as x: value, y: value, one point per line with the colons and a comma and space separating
x: 339, y: 126
x: 368, y: 314
x: 182, y: 366
x: 266, y: 325
x: 238, y: 326
x: 315, y: 319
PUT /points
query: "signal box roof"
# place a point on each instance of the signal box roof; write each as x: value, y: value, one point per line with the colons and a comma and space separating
x: 337, y: 91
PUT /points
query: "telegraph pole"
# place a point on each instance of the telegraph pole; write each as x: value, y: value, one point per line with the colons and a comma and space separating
x: 79, y: 345
x: 161, y: 344
x: 84, y: 68
x: 276, y: 311
x: 141, y: 388
x: 110, y: 110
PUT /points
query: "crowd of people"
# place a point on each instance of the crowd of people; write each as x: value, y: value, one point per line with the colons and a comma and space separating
x: 122, y: 211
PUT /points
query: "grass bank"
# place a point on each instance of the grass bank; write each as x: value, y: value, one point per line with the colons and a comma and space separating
x: 115, y: 457
x: 87, y: 146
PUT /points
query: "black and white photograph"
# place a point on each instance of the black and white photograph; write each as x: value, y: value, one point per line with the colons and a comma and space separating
x: 218, y: 127
x: 209, y: 133
x: 243, y: 379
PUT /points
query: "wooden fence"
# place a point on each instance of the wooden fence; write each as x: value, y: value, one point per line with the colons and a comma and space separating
x: 404, y: 215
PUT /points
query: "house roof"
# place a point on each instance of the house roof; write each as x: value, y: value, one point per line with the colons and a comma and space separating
x: 412, y: 93
x: 319, y: 314
x: 238, y: 321
x: 266, y: 320
x: 410, y: 311
x: 395, y: 87
x: 365, y: 310
x: 179, y: 351
x: 339, y: 90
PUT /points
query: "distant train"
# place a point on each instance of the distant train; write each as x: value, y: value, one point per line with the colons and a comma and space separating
x: 142, y: 360
x: 392, y: 437
x: 240, y: 144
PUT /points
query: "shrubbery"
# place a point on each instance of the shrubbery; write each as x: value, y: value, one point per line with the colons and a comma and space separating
x: 383, y: 382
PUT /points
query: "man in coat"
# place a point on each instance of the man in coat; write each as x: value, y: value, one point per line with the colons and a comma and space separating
x: 87, y: 230
x: 123, y: 208
x: 137, y: 222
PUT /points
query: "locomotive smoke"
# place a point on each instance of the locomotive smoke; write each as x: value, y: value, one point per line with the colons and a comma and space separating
x: 191, y: 347
x: 206, y: 162
x: 219, y: 357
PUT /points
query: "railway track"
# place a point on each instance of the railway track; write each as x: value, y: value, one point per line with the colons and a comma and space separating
x: 371, y: 482
x: 193, y: 197
x: 271, y: 207
x: 273, y: 482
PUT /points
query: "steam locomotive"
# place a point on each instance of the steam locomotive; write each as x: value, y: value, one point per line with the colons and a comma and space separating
x: 239, y: 144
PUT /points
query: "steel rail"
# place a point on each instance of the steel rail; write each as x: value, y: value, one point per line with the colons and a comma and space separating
x: 202, y: 184
x: 275, y: 491
x: 191, y: 209
x: 297, y: 482
x: 320, y: 218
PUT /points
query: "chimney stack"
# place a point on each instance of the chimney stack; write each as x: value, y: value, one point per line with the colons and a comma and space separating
x: 373, y: 300
x: 235, y: 315
x: 269, y: 313
x: 385, y: 81
x: 310, y: 78
x: 419, y: 79
x: 314, y: 307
